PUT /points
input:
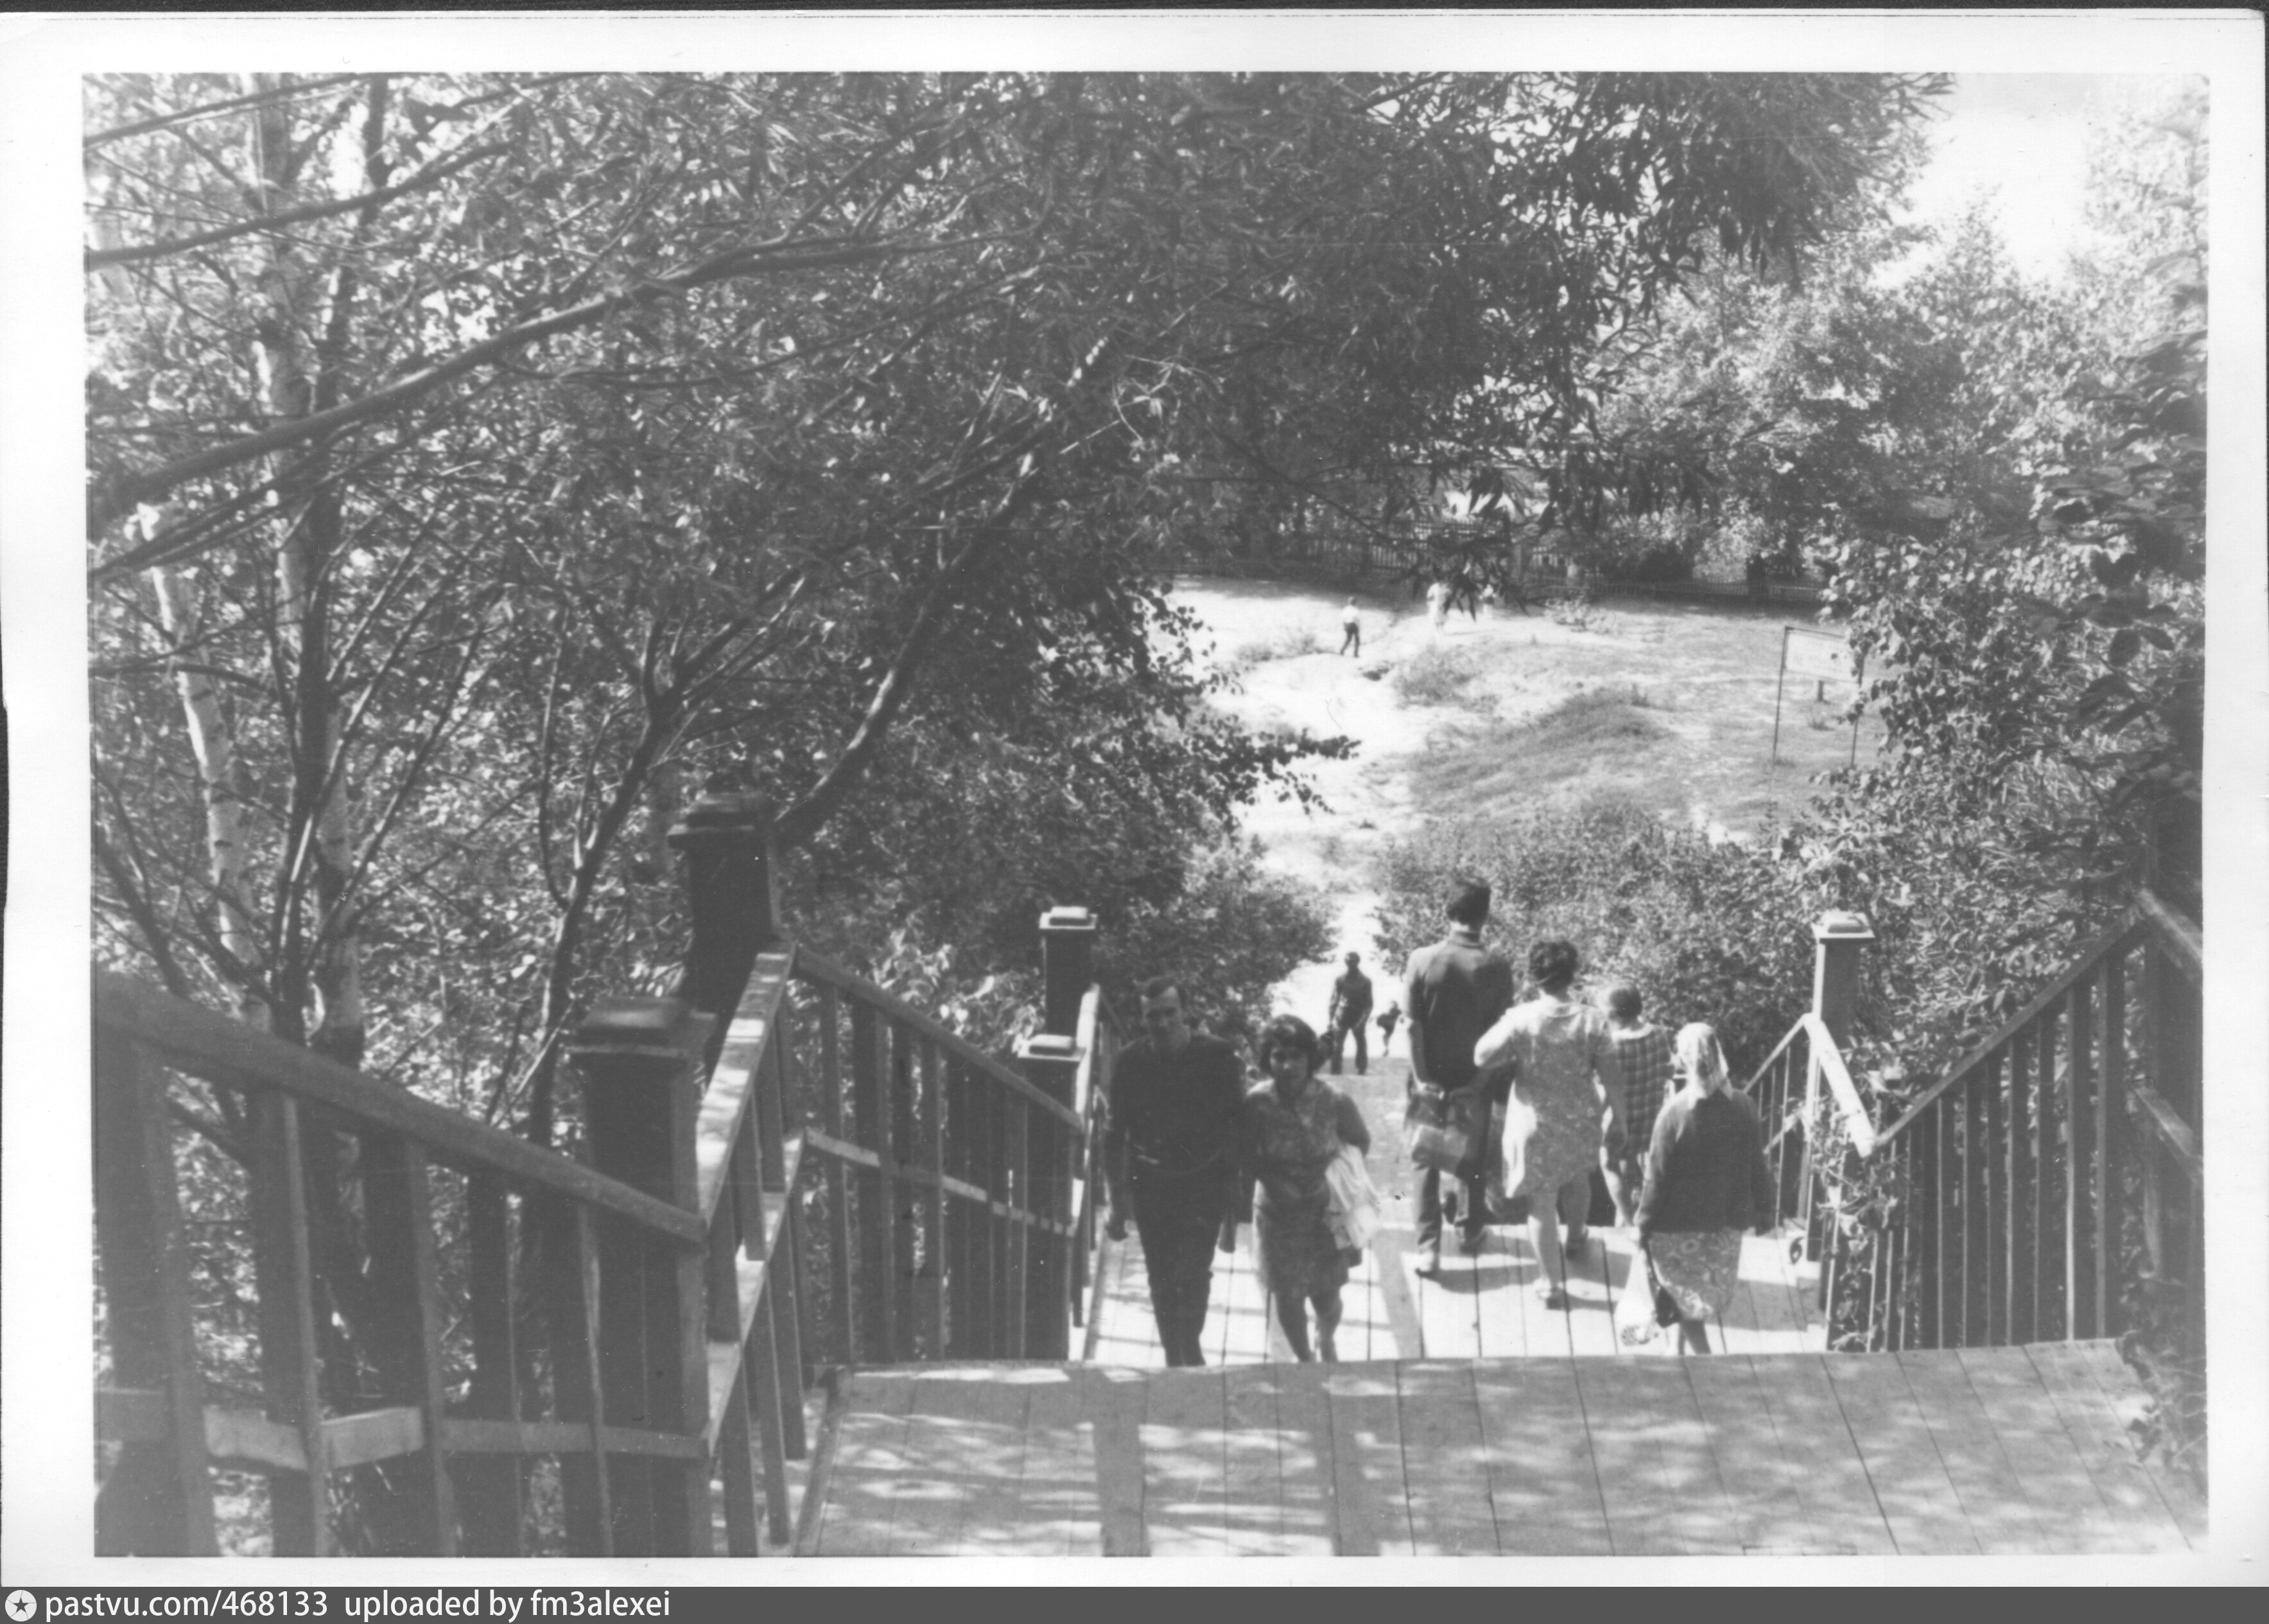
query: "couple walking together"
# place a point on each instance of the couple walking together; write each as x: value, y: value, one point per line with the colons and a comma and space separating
x: 1190, y: 1152
x: 1581, y: 1088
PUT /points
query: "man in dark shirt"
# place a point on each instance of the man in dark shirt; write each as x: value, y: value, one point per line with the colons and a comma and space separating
x: 1350, y: 1009
x: 1454, y: 992
x: 1170, y: 1154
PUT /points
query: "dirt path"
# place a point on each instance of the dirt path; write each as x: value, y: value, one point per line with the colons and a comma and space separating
x: 1708, y: 678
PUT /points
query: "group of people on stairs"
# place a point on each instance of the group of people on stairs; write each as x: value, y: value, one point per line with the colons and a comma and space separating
x: 1193, y: 1148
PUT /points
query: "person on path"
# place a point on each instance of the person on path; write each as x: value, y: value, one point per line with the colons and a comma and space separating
x: 1643, y: 1050
x: 1452, y: 993
x: 1437, y: 603
x: 1176, y: 1111
x: 1294, y: 1125
x: 1706, y: 1182
x: 1564, y: 1067
x: 1350, y: 1009
x: 1351, y: 631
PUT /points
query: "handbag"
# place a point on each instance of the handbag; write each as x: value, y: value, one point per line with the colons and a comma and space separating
x: 1433, y: 1135
x: 1636, y: 1319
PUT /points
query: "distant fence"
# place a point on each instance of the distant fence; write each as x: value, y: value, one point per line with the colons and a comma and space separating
x: 1347, y: 559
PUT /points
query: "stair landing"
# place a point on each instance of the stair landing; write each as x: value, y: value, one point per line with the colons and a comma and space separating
x: 1991, y: 1451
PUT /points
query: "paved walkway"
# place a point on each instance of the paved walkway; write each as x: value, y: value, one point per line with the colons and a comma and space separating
x: 1993, y: 1452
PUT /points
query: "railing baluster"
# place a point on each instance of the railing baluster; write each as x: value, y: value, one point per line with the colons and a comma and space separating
x: 298, y: 1502
x: 721, y: 1257
x: 489, y: 1486
x: 784, y: 1295
x: 158, y: 1499
x: 1926, y: 1188
x: 405, y: 1289
x: 906, y: 1199
x: 571, y: 1317
x: 999, y: 1228
x: 2049, y: 1244
x: 2017, y: 1280
x: 2082, y: 1312
x: 878, y: 1248
x: 1976, y: 1205
x: 931, y: 1118
x: 760, y: 1373
x: 837, y: 1176
x: 1018, y: 1157
x: 2110, y: 1140
x: 1997, y: 1191
x: 736, y: 1470
x: 955, y: 1141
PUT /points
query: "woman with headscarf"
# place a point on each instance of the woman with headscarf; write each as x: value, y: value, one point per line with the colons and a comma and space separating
x: 1706, y: 1182
x: 1295, y: 1125
x: 1564, y: 1067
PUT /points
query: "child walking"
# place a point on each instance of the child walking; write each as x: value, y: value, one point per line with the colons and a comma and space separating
x: 1649, y: 1074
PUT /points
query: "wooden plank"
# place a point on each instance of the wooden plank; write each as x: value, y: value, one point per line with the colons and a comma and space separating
x: 1184, y: 1507
x: 1370, y: 1500
x: 963, y: 1452
x: 1113, y: 1402
x: 2024, y: 1417
x: 1253, y: 1486
x: 1304, y: 1466
x: 1445, y: 1466
x: 1765, y: 1475
x: 2123, y: 1391
x: 1544, y: 1493
x: 1543, y: 1330
x: 1448, y: 1321
x: 2103, y: 1448
x: 206, y: 1043
x: 1659, y: 1479
x: 726, y: 1111
x: 1591, y: 1301
x: 1839, y: 1499
x: 1059, y: 1507
x: 1499, y: 1331
x: 1918, y: 1501
x: 1991, y: 1494
x: 868, y: 1440
x: 1391, y: 1247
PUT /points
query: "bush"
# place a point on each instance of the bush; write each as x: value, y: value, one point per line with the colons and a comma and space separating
x: 1437, y: 676
x: 1707, y: 931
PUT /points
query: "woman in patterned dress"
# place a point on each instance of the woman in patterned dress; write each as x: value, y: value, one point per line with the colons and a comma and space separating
x: 1564, y: 1066
x: 1706, y: 1182
x: 1294, y: 1125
